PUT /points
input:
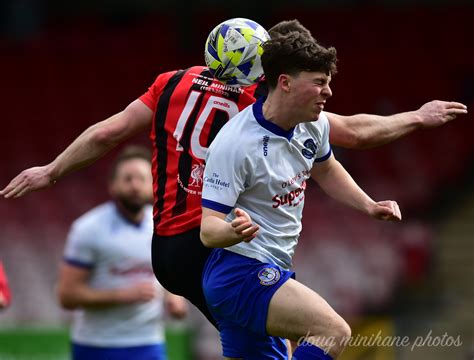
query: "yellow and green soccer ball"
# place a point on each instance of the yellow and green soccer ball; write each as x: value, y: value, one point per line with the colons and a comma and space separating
x: 233, y: 51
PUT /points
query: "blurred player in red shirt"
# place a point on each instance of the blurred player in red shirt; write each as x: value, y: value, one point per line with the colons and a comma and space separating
x: 5, y: 294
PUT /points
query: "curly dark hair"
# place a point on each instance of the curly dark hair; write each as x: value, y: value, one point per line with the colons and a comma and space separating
x: 294, y: 52
x: 287, y: 26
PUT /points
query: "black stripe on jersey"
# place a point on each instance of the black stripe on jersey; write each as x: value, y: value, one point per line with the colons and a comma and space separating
x: 185, y: 159
x: 261, y: 89
x: 220, y: 119
x: 161, y: 140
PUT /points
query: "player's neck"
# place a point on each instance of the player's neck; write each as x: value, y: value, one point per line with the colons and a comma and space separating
x: 274, y: 110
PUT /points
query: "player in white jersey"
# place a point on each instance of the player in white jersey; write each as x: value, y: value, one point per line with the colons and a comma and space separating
x: 107, y: 274
x: 269, y: 180
x: 253, y: 196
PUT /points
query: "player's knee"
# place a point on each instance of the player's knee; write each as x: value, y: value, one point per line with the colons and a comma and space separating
x: 344, y: 331
x: 332, y: 338
x: 341, y: 333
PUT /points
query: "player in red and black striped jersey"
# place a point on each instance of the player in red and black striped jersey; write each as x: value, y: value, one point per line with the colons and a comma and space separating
x: 189, y: 107
x: 184, y: 110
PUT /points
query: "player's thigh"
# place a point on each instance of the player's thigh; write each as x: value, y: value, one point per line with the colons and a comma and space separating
x: 296, y: 311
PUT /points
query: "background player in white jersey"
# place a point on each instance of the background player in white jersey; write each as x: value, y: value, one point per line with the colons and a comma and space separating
x: 107, y: 273
x: 257, y: 166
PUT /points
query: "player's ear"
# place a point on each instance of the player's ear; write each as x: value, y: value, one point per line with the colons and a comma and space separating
x: 284, y: 82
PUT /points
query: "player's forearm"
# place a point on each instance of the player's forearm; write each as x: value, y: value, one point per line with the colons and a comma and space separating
x: 85, y: 297
x: 374, y: 130
x: 365, y: 131
x: 337, y: 183
x: 217, y: 233
x: 91, y: 145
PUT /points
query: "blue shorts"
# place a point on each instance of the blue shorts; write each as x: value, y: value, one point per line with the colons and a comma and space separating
x: 238, y: 290
x: 146, y: 352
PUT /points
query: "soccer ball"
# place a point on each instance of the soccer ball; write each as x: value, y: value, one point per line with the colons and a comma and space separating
x: 233, y: 51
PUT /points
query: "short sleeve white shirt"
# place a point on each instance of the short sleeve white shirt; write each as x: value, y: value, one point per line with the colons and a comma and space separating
x: 255, y: 165
x: 118, y: 253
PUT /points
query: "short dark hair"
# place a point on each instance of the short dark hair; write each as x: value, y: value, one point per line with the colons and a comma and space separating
x: 287, y: 26
x: 294, y: 52
x: 127, y: 153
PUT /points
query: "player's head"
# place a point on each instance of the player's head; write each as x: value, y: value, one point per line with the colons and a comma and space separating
x: 298, y: 71
x: 287, y: 26
x: 131, y: 183
x: 293, y: 53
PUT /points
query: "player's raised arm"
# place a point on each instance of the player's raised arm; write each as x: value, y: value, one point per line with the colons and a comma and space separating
x: 91, y: 145
x: 337, y: 183
x: 366, y: 130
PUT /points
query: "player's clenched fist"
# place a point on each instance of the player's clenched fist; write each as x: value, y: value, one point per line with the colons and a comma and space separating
x: 243, y: 226
x: 386, y: 210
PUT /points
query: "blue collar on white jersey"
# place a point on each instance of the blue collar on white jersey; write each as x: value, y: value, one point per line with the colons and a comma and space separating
x: 272, y: 127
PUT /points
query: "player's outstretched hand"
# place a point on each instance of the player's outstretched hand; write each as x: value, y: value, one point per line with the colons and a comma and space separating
x: 436, y: 112
x: 176, y: 305
x: 35, y: 178
x: 243, y: 226
x: 386, y: 210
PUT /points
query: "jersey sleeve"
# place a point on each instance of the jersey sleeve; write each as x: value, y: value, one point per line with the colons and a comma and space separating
x: 79, y: 249
x: 225, y: 175
x: 150, y: 98
x: 324, y: 151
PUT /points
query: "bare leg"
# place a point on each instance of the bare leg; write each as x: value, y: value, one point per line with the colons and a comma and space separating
x: 298, y: 313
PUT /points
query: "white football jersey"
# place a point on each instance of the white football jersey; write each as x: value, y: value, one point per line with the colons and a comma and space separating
x: 255, y: 165
x: 118, y: 253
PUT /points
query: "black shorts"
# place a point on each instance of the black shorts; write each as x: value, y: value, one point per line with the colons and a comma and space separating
x: 178, y: 262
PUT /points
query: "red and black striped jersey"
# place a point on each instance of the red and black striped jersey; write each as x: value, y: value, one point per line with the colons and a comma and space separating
x: 190, y: 107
